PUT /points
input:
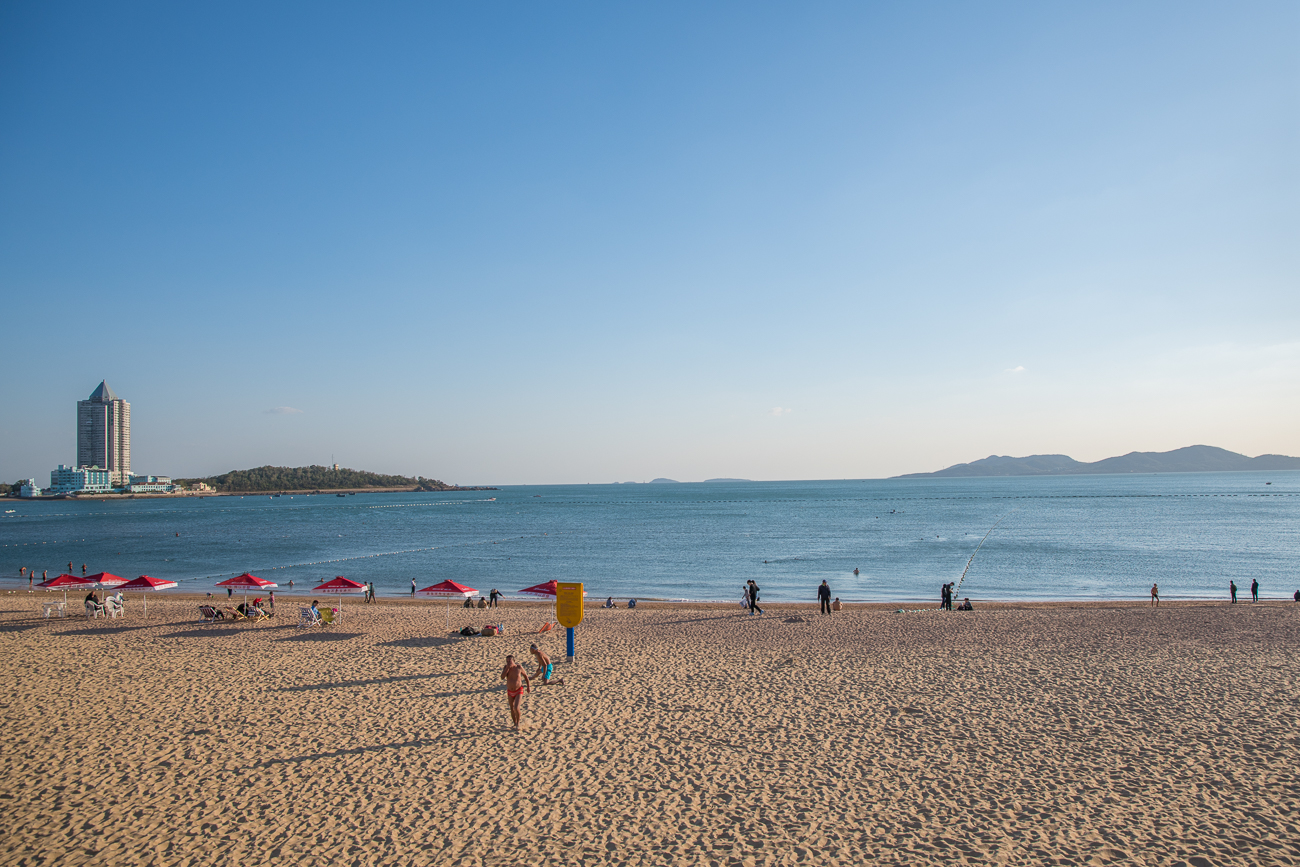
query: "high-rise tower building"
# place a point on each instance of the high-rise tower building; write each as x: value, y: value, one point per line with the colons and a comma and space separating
x: 104, y: 434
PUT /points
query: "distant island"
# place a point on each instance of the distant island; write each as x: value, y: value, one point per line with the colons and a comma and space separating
x: 1192, y: 459
x: 317, y: 478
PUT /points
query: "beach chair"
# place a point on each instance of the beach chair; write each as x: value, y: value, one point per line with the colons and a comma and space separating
x: 256, y: 614
x: 113, y: 608
x: 210, y: 614
x: 307, y: 618
x: 93, y: 611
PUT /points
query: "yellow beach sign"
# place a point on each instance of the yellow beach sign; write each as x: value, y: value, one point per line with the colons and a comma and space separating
x: 568, y: 603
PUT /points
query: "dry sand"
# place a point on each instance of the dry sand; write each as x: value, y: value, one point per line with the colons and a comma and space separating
x: 1053, y: 734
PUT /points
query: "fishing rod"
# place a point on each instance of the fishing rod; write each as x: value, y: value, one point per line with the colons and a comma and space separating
x: 976, y: 551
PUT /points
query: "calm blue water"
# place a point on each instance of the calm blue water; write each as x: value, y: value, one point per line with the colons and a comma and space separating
x: 1072, y: 537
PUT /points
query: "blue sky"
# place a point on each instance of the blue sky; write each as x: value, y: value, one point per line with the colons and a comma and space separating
x: 532, y: 243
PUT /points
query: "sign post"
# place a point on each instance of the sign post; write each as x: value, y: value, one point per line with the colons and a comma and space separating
x: 568, y: 609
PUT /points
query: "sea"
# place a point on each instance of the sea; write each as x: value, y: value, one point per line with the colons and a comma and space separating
x: 1022, y: 538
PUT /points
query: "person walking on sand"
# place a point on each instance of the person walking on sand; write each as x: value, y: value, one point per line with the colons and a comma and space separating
x: 1254, y: 590
x: 744, y: 596
x: 1155, y: 595
x: 514, y: 675
x: 753, y: 598
x: 1232, y: 591
x: 824, y: 597
x: 545, y: 670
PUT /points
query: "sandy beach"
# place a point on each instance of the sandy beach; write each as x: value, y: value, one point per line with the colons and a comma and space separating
x: 1063, y: 733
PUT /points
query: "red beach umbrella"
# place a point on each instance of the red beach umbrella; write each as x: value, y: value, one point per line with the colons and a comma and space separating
x: 340, y: 585
x: 246, y: 582
x: 63, y: 582
x: 144, y: 582
x: 448, y: 590
x: 550, y: 588
x: 106, y: 579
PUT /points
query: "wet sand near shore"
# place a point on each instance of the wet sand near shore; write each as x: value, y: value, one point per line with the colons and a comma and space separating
x: 1057, y: 733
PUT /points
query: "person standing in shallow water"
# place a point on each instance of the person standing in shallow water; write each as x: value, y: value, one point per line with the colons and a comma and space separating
x: 824, y: 597
x: 1232, y: 591
x: 1254, y: 590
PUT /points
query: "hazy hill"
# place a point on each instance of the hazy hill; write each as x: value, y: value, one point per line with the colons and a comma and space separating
x: 317, y: 478
x: 1192, y: 459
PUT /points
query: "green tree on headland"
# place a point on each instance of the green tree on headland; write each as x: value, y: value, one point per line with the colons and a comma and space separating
x: 314, y: 478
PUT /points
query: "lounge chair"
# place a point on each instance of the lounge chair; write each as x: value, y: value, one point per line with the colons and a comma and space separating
x: 307, y: 617
x: 256, y: 614
x: 210, y: 614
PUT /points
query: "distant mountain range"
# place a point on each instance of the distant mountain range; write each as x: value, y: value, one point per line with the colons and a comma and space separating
x: 1193, y: 459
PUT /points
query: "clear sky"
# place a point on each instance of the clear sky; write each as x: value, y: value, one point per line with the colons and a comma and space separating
x: 563, y: 242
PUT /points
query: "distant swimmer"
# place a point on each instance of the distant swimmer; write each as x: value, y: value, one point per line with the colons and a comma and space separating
x: 855, y: 570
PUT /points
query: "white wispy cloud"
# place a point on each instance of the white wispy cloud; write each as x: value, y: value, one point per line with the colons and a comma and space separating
x: 781, y: 410
x: 1019, y: 368
x: 283, y: 410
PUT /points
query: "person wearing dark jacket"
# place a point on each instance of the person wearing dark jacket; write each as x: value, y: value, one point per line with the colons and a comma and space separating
x: 824, y: 597
x: 753, y: 598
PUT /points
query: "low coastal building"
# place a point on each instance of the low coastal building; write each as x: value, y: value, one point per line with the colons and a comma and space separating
x: 29, y: 489
x: 150, y: 485
x: 67, y: 480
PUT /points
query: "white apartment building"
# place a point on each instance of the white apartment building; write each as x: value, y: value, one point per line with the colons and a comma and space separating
x: 104, y: 434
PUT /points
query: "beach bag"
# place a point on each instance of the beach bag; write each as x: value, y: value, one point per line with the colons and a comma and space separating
x: 489, y: 630
x: 468, y: 631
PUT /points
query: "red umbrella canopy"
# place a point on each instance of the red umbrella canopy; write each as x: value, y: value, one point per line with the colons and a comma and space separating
x: 144, y: 582
x: 246, y: 580
x: 66, y: 580
x: 548, y: 589
x: 448, y: 588
x: 106, y: 579
x: 340, y: 585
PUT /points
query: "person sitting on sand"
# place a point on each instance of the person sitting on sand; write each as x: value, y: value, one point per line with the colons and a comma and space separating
x: 482, y: 603
x: 513, y: 674
x: 631, y: 603
x: 544, y: 668
x: 965, y: 605
x: 837, y: 605
x: 609, y: 603
x: 469, y: 602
